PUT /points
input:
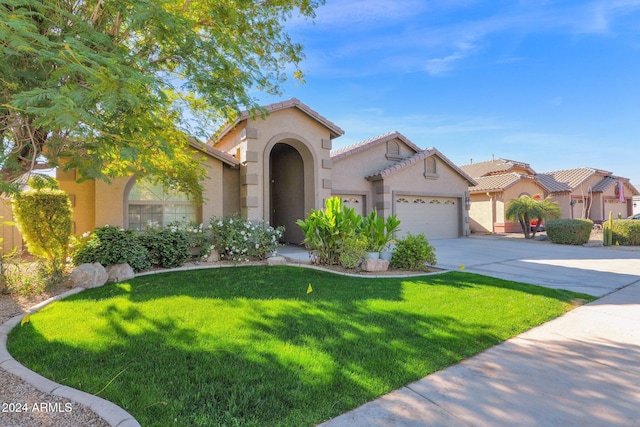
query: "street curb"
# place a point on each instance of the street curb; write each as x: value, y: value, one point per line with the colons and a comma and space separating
x: 114, y: 415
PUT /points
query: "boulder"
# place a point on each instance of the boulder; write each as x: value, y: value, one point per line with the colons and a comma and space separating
x: 375, y: 265
x: 214, y: 256
x: 119, y: 272
x: 276, y: 260
x: 89, y: 275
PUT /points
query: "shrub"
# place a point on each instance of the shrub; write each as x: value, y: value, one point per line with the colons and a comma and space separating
x: 354, y: 249
x: 43, y: 216
x: 28, y: 278
x: 412, y: 252
x: 197, y: 234
x: 569, y: 231
x: 110, y: 245
x: 326, y: 231
x: 237, y: 239
x: 626, y: 232
x: 166, y: 247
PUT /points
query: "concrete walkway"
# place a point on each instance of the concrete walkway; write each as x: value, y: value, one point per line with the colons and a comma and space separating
x: 582, y: 369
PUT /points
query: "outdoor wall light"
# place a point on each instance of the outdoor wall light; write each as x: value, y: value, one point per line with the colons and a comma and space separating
x: 573, y: 203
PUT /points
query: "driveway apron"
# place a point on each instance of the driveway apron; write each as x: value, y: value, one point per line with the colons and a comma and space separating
x: 595, y: 271
x: 581, y: 369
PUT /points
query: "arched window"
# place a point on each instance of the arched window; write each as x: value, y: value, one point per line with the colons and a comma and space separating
x: 151, y: 204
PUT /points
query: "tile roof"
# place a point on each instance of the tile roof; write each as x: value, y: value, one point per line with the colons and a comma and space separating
x: 604, y: 183
x: 502, y: 182
x: 493, y: 167
x: 371, y: 142
x: 567, y: 179
x: 277, y: 106
x: 409, y: 161
x: 214, y: 152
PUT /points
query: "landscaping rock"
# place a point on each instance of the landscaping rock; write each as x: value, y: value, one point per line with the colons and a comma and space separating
x: 89, y: 275
x: 375, y: 265
x: 119, y: 272
x: 214, y: 256
x: 276, y: 260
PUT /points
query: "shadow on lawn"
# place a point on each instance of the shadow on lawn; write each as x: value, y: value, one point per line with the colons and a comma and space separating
x: 267, y: 283
x: 297, y: 366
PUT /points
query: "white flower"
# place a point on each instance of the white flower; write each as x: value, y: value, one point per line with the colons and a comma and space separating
x: 230, y: 220
x: 257, y: 245
x: 86, y: 234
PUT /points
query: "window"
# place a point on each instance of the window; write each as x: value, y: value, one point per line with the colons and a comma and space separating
x: 154, y: 204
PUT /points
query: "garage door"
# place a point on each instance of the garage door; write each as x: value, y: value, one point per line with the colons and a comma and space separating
x: 436, y: 217
x: 353, y: 201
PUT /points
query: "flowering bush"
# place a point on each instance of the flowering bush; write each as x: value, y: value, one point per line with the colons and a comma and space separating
x: 237, y: 239
x: 197, y: 235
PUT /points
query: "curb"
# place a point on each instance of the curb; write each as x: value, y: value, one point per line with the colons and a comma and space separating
x: 114, y: 415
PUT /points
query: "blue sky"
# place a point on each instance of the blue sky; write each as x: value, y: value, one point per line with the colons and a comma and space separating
x: 552, y: 83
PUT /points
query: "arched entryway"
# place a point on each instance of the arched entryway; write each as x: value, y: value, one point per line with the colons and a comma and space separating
x: 287, y: 194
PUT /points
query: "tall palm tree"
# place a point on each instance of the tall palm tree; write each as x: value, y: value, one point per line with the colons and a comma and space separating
x: 526, y: 208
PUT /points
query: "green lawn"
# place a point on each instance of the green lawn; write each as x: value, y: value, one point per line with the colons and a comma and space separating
x: 249, y: 345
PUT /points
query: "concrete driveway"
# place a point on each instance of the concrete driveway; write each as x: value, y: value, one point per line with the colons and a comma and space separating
x: 591, y: 270
x: 578, y: 370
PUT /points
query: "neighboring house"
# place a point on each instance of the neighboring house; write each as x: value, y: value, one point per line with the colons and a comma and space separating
x: 590, y: 193
x: 636, y: 205
x: 278, y: 168
x: 423, y: 188
x: 580, y: 193
x: 498, y: 182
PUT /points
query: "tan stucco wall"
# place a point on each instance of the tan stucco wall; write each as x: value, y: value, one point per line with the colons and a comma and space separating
x: 256, y: 138
x: 213, y: 189
x: 481, y: 213
x: 349, y: 174
x: 82, y: 196
x: 411, y: 181
x: 9, y: 233
x: 97, y: 203
x: 231, y: 190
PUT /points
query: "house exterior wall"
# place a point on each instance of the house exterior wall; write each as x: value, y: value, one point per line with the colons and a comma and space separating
x: 412, y: 181
x: 349, y: 174
x: 482, y: 212
x: 83, y: 200
x: 231, y: 191
x: 12, y: 238
x: 310, y: 138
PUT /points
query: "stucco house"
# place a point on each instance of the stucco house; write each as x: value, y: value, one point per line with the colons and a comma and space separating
x: 590, y: 193
x: 278, y: 168
x: 498, y: 182
x: 580, y: 192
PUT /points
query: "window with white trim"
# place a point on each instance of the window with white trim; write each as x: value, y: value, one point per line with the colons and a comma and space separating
x: 156, y: 205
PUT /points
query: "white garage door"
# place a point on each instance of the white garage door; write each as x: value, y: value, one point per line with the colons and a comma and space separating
x: 353, y: 201
x: 436, y: 217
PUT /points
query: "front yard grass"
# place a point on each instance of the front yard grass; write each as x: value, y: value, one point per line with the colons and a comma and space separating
x: 249, y: 345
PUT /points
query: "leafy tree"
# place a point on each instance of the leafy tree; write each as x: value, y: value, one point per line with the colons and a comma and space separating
x: 113, y: 87
x: 526, y: 208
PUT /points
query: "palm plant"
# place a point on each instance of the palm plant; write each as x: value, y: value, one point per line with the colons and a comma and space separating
x: 526, y: 208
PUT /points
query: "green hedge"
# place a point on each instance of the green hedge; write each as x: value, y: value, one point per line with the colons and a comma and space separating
x: 626, y: 232
x: 569, y: 231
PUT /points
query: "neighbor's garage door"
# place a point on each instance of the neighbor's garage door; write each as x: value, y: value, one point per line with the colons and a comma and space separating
x: 436, y: 217
x: 353, y: 201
